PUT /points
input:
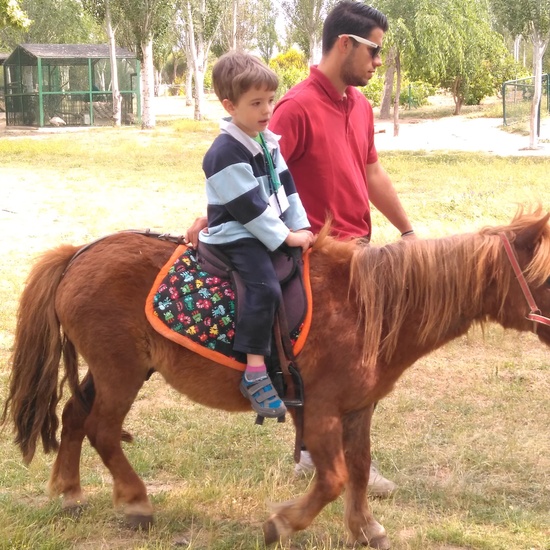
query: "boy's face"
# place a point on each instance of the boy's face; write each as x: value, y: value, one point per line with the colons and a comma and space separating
x: 253, y: 110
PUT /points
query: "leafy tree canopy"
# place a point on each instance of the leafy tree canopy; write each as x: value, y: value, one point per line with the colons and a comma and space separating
x: 523, y: 16
x: 53, y: 22
x: 11, y: 15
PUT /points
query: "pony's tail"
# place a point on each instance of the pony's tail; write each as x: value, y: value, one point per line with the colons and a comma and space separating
x: 34, y: 387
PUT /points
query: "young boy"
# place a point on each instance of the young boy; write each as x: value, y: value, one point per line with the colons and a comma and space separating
x: 253, y: 208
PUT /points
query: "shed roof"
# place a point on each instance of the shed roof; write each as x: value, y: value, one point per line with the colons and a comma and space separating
x: 72, y: 51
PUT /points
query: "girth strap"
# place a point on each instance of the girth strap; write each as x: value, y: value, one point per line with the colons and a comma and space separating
x: 290, y: 372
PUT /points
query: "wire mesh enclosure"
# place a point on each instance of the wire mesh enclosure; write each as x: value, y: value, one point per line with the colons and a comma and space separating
x: 68, y: 85
x: 517, y: 98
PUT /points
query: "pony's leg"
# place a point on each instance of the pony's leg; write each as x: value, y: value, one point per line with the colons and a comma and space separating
x: 360, y: 523
x: 324, y: 442
x: 113, y: 400
x: 65, y: 475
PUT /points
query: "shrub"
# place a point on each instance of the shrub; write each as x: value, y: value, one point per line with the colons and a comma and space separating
x: 291, y: 67
x: 415, y: 94
x: 374, y: 89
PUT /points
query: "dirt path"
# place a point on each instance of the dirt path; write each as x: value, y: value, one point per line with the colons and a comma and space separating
x: 459, y: 133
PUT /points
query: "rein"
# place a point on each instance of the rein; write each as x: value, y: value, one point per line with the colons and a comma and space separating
x: 535, y: 313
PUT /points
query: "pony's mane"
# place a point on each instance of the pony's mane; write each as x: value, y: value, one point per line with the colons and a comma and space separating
x: 445, y: 279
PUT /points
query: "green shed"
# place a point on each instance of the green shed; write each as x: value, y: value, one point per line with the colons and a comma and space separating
x: 68, y: 85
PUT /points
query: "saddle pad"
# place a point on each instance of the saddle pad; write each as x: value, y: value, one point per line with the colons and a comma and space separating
x: 196, y: 310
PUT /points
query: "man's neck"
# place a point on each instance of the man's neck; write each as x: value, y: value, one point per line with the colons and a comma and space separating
x: 332, y: 72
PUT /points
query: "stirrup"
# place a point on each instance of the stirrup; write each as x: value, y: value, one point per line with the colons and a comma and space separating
x: 259, y: 392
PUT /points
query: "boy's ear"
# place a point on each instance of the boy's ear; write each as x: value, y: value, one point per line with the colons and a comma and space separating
x: 228, y: 106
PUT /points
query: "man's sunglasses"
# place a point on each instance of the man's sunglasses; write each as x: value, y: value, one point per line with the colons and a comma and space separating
x: 376, y: 49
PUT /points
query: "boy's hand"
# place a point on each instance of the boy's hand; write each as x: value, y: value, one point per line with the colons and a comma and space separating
x: 192, y: 234
x: 303, y: 239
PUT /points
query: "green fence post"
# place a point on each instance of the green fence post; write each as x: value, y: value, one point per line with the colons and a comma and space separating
x: 504, y: 103
x: 40, y: 94
x: 547, y: 92
x: 90, y: 91
x: 138, y: 88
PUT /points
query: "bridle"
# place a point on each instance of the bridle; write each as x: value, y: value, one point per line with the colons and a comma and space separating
x: 535, y: 313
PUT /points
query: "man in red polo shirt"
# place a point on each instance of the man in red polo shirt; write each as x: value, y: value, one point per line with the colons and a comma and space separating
x: 327, y: 129
x: 327, y: 138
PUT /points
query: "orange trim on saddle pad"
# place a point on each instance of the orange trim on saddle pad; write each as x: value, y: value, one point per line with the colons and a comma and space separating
x: 213, y: 355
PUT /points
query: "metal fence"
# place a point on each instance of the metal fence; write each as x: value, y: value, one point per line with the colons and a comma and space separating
x: 68, y: 84
x: 517, y: 97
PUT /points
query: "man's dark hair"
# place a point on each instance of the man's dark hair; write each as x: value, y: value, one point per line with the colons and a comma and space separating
x: 351, y: 17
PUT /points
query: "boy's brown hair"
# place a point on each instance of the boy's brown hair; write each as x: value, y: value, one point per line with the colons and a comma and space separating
x: 237, y: 72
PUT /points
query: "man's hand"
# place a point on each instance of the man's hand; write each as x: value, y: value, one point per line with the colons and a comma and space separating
x: 302, y: 238
x: 192, y: 234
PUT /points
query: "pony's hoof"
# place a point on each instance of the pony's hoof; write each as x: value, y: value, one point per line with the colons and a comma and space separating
x: 139, y: 521
x: 271, y: 535
x: 73, y: 511
x: 381, y: 543
x: 276, y: 529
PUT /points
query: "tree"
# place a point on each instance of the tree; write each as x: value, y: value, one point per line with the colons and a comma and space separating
x: 201, y: 20
x: 305, y: 23
x: 267, y: 38
x: 530, y: 19
x: 448, y: 43
x: 147, y: 18
x: 11, y: 15
x: 101, y: 11
x: 400, y: 44
x: 238, y: 27
x: 53, y: 22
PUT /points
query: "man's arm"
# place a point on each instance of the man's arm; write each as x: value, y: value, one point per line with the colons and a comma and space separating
x: 383, y: 195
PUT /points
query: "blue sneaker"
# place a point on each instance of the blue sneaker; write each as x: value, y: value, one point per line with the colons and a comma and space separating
x: 263, y: 397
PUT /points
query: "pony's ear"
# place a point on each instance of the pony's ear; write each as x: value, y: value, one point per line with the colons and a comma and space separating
x: 528, y: 237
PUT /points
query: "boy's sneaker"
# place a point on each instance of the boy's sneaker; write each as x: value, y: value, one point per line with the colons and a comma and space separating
x: 263, y: 397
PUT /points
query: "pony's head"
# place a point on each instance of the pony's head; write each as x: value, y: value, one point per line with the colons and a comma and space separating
x: 441, y: 286
x: 528, y: 253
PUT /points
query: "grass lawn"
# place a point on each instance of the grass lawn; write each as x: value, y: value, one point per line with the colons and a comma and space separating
x: 464, y: 434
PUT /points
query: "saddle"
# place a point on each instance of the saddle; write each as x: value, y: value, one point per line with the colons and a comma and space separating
x: 288, y: 264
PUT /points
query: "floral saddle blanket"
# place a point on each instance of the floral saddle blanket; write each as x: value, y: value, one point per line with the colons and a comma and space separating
x: 194, y: 301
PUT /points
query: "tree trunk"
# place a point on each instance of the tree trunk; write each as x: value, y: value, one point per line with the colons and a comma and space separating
x: 199, y: 94
x: 517, y: 44
x: 189, y: 85
x: 234, y: 25
x: 196, y: 50
x: 458, y: 105
x: 117, y: 98
x: 385, y: 104
x: 539, y: 47
x: 147, y: 86
x: 397, y: 60
x: 458, y: 98
x: 175, y: 70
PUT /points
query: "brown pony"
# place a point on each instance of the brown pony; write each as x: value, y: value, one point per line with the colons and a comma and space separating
x: 376, y: 310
